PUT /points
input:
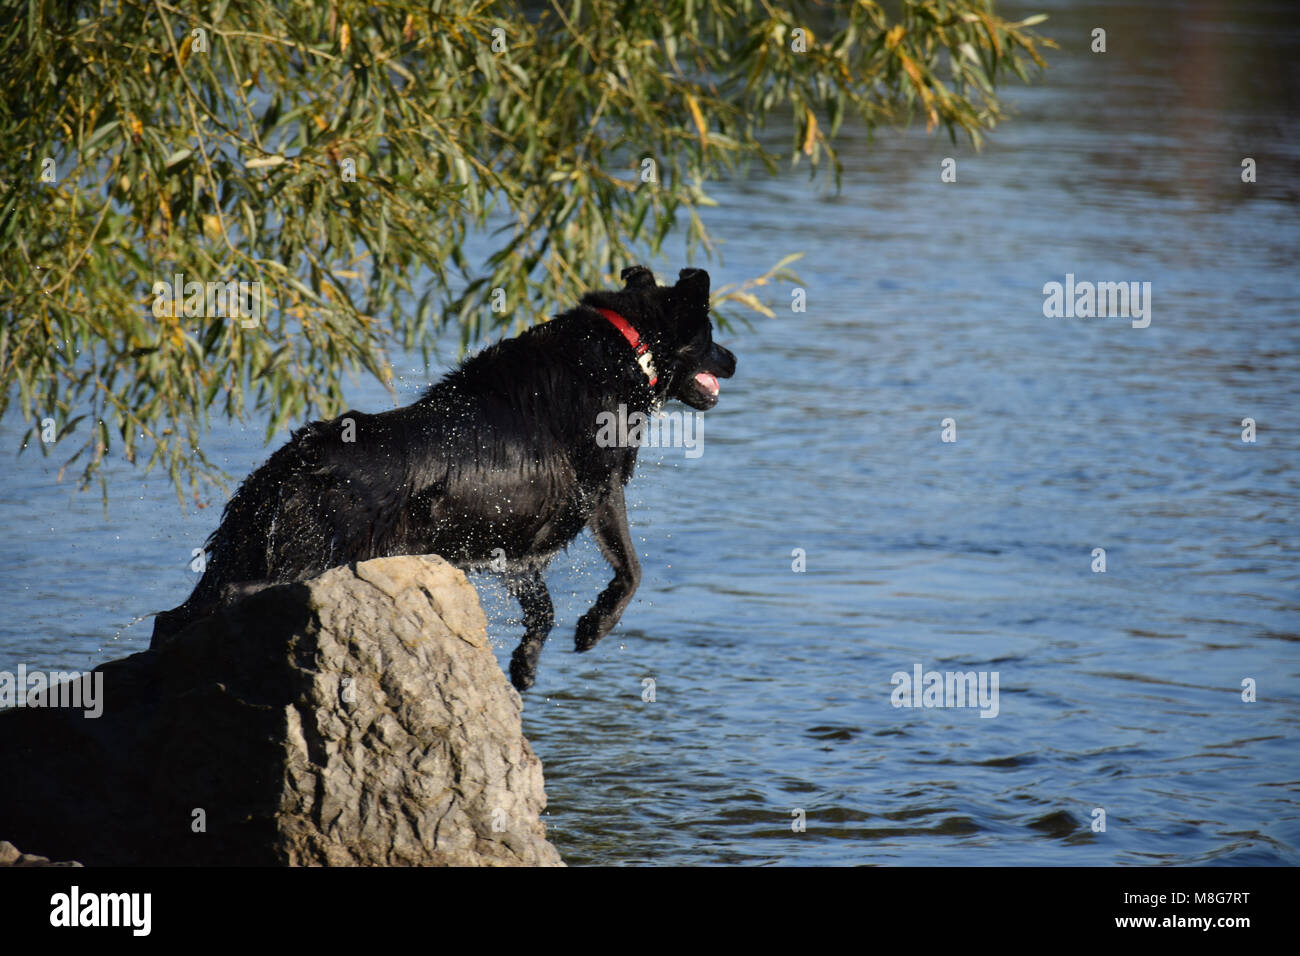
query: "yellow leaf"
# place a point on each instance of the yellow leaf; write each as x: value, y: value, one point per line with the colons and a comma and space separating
x: 751, y: 301
x: 992, y: 32
x: 699, y: 120
x: 810, y: 137
x: 345, y: 37
x: 927, y: 97
x: 186, y: 47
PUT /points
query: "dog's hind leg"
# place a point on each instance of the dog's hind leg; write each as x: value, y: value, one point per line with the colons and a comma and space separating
x: 539, y: 617
x: 609, y: 527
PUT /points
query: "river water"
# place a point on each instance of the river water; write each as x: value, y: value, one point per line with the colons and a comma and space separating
x: 1119, y: 692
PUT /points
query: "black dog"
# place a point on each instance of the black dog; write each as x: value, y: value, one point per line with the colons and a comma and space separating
x: 499, y: 459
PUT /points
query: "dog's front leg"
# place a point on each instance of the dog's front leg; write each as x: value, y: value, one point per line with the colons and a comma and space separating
x: 609, y: 526
x: 539, y: 617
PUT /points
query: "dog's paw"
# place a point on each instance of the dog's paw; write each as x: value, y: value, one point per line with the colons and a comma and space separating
x: 523, y: 665
x: 590, y: 630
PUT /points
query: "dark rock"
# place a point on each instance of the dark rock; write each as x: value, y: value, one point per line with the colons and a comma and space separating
x: 358, y: 718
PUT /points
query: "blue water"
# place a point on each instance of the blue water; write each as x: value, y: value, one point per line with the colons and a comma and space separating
x: 1119, y: 690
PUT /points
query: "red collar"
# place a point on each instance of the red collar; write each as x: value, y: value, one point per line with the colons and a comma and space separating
x: 643, y: 356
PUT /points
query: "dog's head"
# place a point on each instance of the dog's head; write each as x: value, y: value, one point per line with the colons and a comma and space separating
x: 674, y: 322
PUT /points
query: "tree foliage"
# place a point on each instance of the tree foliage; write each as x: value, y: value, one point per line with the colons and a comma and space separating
x: 214, y: 139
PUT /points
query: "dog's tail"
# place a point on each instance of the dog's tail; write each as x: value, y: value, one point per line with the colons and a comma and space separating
x: 244, y: 546
x: 312, y: 506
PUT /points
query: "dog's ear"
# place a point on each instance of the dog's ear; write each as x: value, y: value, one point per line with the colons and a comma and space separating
x: 638, y: 277
x: 694, y: 284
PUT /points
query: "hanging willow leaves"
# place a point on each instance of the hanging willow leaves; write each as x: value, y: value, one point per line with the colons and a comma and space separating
x: 339, y: 154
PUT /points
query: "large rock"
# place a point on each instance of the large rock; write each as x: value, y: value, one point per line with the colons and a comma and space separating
x: 358, y: 718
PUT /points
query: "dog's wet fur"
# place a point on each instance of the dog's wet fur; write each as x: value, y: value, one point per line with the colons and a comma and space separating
x: 499, y: 456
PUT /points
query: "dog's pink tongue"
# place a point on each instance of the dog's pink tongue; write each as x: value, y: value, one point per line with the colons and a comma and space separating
x: 708, y: 381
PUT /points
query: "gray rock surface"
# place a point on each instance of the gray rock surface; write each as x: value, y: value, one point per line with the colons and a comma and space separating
x: 359, y: 718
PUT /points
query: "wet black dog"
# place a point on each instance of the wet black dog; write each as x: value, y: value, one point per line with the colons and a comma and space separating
x: 497, y: 464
